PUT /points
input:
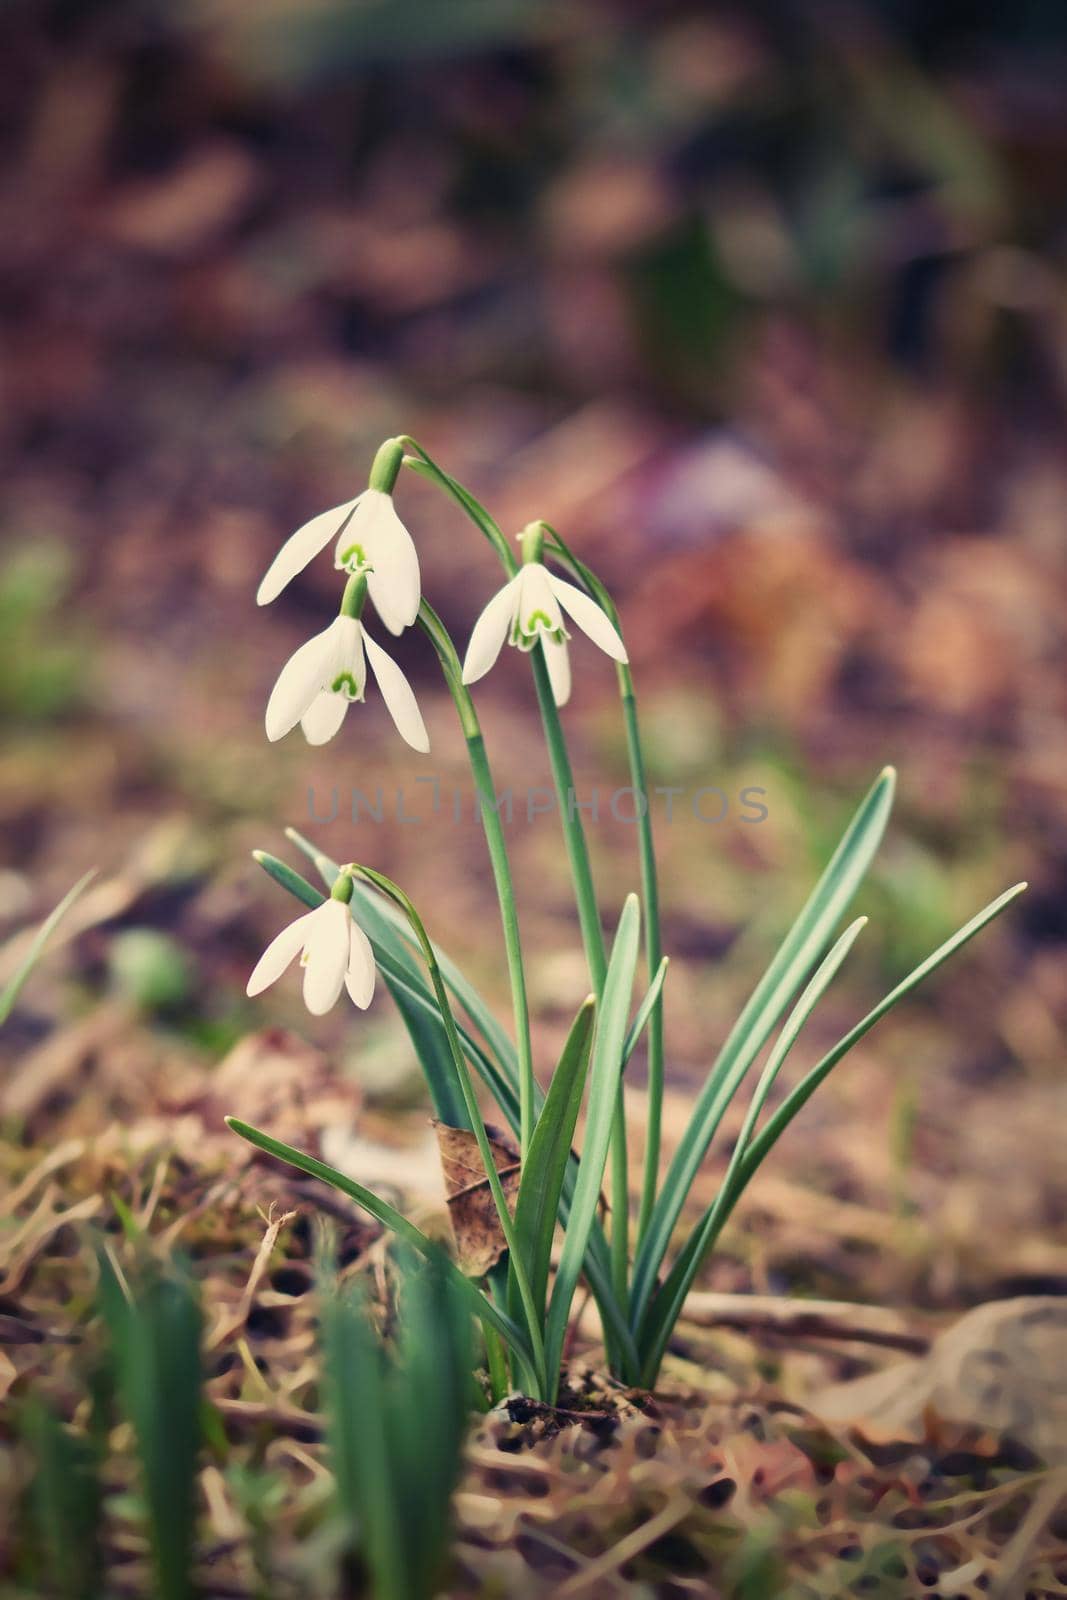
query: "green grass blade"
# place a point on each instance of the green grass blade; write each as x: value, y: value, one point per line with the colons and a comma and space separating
x: 704, y: 1235
x: 431, y: 1407
x: 390, y: 1218
x: 604, y: 1076
x: 65, y: 1504
x: 156, y: 1353
x: 358, y: 1430
x: 798, y: 954
x: 11, y: 989
x: 396, y: 1419
x: 545, y: 1168
x: 666, y: 1306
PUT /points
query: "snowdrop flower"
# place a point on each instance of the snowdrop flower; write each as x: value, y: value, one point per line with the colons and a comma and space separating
x: 370, y: 540
x: 528, y: 609
x: 334, y: 952
x: 321, y: 680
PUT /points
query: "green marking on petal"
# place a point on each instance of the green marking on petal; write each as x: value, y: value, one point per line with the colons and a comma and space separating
x: 345, y: 684
x: 536, y: 617
x: 354, y: 559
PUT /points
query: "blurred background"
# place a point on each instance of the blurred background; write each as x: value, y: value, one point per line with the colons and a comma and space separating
x: 764, y: 307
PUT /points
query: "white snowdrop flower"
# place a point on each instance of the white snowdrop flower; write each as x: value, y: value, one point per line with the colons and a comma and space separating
x: 369, y: 539
x: 529, y: 608
x: 321, y: 680
x: 334, y: 952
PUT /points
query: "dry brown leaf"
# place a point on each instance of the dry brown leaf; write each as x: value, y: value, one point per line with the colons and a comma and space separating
x: 998, y: 1367
x: 475, y: 1223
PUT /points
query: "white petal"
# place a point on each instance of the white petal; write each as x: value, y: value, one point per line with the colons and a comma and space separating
x: 299, y: 681
x: 300, y: 548
x: 398, y: 696
x: 537, y: 595
x: 278, y: 954
x: 359, y: 979
x: 589, y: 617
x: 323, y: 717
x: 558, y: 662
x: 394, y: 582
x: 348, y: 653
x: 490, y: 631
x: 326, y: 957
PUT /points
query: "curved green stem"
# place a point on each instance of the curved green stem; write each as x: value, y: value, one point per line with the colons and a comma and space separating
x: 426, y: 467
x: 574, y: 839
x: 533, y: 1322
x: 439, y: 637
x: 649, y: 882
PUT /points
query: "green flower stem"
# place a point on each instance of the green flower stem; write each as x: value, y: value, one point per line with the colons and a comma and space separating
x: 573, y: 833
x: 354, y: 597
x: 533, y: 1322
x: 653, y: 946
x: 595, y: 954
x: 438, y: 635
x: 426, y: 467
x: 649, y: 885
x: 385, y: 468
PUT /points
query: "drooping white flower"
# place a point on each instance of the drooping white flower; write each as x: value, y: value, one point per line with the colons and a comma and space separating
x: 334, y: 952
x: 370, y: 538
x: 529, y: 608
x: 321, y: 680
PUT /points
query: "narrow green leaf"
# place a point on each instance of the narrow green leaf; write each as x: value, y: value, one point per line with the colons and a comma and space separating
x: 396, y: 1418
x: 156, y: 1347
x: 10, y: 992
x: 358, y: 1430
x: 797, y: 956
x: 430, y: 1388
x: 65, y: 1504
x: 390, y: 1218
x: 283, y: 874
x: 604, y: 1076
x: 764, y: 1141
x: 704, y: 1235
x: 544, y: 1170
x: 666, y: 1306
x: 645, y: 1010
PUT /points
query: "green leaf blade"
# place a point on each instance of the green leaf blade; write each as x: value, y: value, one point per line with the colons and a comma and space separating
x: 796, y: 956
x: 389, y: 1217
x: 545, y: 1168
x: 604, y: 1074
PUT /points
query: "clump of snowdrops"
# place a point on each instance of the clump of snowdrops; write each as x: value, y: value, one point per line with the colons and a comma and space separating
x: 364, y: 924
